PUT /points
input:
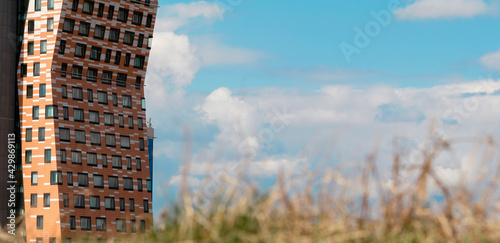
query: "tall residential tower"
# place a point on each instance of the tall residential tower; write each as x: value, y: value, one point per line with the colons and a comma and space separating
x: 83, y: 134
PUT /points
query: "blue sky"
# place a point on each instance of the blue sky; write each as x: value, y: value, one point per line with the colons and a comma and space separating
x: 270, y: 79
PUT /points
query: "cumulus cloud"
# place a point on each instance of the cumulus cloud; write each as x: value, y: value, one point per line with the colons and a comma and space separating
x: 181, y: 14
x: 491, y: 60
x: 435, y: 9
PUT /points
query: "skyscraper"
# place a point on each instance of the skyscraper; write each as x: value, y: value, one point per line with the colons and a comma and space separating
x: 84, y: 142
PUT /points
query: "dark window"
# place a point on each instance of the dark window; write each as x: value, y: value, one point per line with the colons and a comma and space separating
x: 95, y: 53
x: 140, y: 42
x: 137, y: 18
x: 116, y: 161
x: 65, y: 200
x: 76, y: 157
x: 64, y: 91
x: 34, y: 199
x: 118, y: 56
x: 120, y: 121
x: 29, y: 91
x: 28, y: 157
x: 31, y: 47
x: 127, y: 101
x: 74, y: 7
x: 41, y: 134
x: 85, y: 224
x: 109, y: 203
x: 131, y: 205
x: 107, y: 76
x: 92, y: 158
x: 128, y: 184
x: 50, y: 24
x: 34, y: 178
x: 122, y: 204
x: 131, y: 122
x: 94, y: 117
x: 98, y: 181
x: 84, y: 29
x: 72, y: 223
x: 109, y: 119
x: 35, y: 112
x: 56, y: 178
x: 139, y: 61
x: 100, y: 224
x: 64, y: 134
x: 29, y: 134
x: 50, y: 4
x: 83, y: 179
x: 39, y: 222
x: 139, y: 185
x: 51, y: 111
x: 65, y: 113
x: 121, y: 80
x: 138, y: 163
x: 149, y: 20
x: 123, y: 15
x: 143, y: 226
x: 92, y: 75
x: 110, y: 140
x: 113, y: 182
x: 62, y: 153
x: 140, y: 123
x: 129, y: 163
x: 114, y: 35
x: 69, y: 25
x: 77, y: 93
x: 128, y: 38
x: 80, y: 50
x: 125, y: 142
x: 148, y: 184
x: 62, y: 47
x: 141, y: 144
x: 88, y: 7
x: 80, y: 136
x: 79, y: 201
x: 95, y: 202
x: 90, y: 95
x: 31, y: 26
x: 133, y: 226
x: 100, y: 10
x: 95, y: 139
x: 146, y: 206
x: 102, y: 97
x: 24, y: 69
x: 36, y: 69
x: 104, y: 159
x: 99, y: 31
x: 38, y: 5
x: 111, y: 11
x: 42, y: 90
x: 107, y: 58
x: 47, y: 155
x: 115, y: 99
x: 43, y: 47
x: 127, y: 59
x: 64, y: 68
x: 121, y: 225
x: 69, y: 177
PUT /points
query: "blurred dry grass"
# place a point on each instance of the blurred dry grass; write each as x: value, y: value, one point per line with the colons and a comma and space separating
x: 323, y: 206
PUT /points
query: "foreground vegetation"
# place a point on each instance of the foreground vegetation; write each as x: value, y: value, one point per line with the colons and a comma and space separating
x: 415, y: 205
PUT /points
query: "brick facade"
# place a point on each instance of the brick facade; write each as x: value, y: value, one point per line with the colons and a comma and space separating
x: 74, y: 101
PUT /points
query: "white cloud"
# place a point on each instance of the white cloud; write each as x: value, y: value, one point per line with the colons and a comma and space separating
x: 491, y: 60
x: 180, y: 14
x: 435, y: 9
